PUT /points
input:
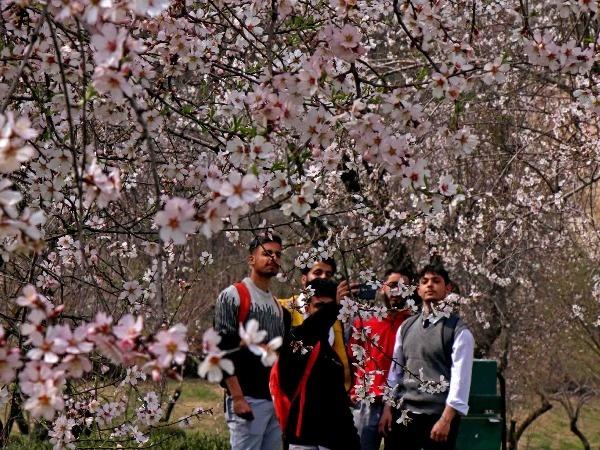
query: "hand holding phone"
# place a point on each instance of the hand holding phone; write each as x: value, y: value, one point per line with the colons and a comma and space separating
x: 366, y: 292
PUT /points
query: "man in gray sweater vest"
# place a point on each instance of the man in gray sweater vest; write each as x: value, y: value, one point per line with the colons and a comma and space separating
x: 433, y: 358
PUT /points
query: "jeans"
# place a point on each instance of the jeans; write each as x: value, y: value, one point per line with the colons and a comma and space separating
x: 366, y: 421
x: 262, y: 433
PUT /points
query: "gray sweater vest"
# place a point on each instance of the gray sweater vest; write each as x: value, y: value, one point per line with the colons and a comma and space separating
x: 425, y: 353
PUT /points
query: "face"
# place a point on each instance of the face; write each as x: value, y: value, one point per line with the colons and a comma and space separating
x: 318, y: 270
x: 389, y: 288
x: 265, y: 259
x: 432, y: 288
x: 316, y: 303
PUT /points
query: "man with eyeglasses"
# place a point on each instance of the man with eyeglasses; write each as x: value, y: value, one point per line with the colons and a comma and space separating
x: 377, y: 344
x: 248, y: 405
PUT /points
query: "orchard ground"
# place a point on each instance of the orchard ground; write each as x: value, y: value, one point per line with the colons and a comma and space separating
x: 550, y: 432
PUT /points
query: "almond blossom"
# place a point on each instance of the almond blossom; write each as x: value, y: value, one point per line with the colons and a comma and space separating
x: 170, y: 346
x: 176, y: 220
x: 127, y: 330
x: 415, y: 173
x: 213, y: 365
x: 350, y: 119
x: 496, y: 71
x: 300, y: 204
x: 10, y: 361
x: 150, y: 8
x: 45, y: 401
x: 131, y: 291
x: 269, y: 353
x: 108, y: 44
x: 251, y: 335
x: 14, y: 149
x: 240, y: 190
x: 447, y: 186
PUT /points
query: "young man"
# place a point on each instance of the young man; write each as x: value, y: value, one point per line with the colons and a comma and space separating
x: 378, y: 346
x: 324, y: 269
x: 430, y: 346
x: 248, y: 406
x: 296, y: 304
x: 319, y: 415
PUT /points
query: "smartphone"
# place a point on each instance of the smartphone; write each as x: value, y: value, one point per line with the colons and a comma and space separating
x: 366, y: 292
x: 247, y: 415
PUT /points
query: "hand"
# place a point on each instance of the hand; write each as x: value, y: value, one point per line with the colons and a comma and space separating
x: 440, y: 431
x: 344, y: 289
x: 242, y: 409
x: 385, y: 423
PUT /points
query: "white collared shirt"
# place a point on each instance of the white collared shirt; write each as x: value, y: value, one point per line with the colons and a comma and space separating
x: 460, y: 372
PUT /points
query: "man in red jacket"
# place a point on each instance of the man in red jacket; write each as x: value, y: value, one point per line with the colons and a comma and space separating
x: 374, y: 338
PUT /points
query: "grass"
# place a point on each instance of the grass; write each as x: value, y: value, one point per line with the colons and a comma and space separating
x: 551, y: 431
x: 197, y: 393
x: 167, y: 439
x: 209, y: 432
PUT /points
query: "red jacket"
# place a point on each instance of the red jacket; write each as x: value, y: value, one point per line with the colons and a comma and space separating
x: 376, y: 359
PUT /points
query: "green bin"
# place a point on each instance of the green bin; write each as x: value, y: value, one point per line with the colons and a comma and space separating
x: 481, y: 429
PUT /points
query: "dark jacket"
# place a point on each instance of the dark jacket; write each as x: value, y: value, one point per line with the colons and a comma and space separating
x: 327, y: 419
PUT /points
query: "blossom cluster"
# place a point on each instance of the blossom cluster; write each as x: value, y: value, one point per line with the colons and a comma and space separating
x: 54, y: 354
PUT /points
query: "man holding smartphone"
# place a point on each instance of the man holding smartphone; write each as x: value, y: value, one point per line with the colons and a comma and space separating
x: 324, y: 269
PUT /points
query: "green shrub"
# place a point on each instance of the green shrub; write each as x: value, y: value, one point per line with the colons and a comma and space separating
x: 26, y: 443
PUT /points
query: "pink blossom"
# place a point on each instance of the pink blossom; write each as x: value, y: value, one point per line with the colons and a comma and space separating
x: 176, y: 220
x: 151, y: 8
x: 127, y: 331
x: 495, y: 71
x: 170, y: 346
x: 94, y: 8
x: 112, y: 82
x: 300, y: 204
x: 45, y: 401
x: 75, y: 365
x: 240, y: 190
x: 213, y: 365
x: 447, y: 186
x: 108, y: 44
x: 210, y: 341
x: 10, y: 361
x: 415, y: 173
x: 9, y: 198
x: 13, y: 147
x: 48, y: 348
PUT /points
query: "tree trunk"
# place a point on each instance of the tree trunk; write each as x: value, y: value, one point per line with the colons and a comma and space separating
x: 579, y: 434
x: 516, y: 432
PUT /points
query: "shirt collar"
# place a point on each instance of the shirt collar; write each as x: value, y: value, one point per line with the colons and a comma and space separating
x: 433, y: 317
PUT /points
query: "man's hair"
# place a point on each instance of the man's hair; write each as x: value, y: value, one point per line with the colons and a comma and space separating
x: 437, y: 269
x: 261, y: 239
x: 401, y: 271
x: 328, y: 261
x: 323, y: 288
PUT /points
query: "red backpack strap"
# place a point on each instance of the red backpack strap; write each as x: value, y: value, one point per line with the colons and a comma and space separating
x: 245, y: 301
x: 301, y: 390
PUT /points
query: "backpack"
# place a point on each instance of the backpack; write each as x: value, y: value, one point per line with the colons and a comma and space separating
x: 447, y: 333
x: 245, y: 302
x: 281, y: 402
